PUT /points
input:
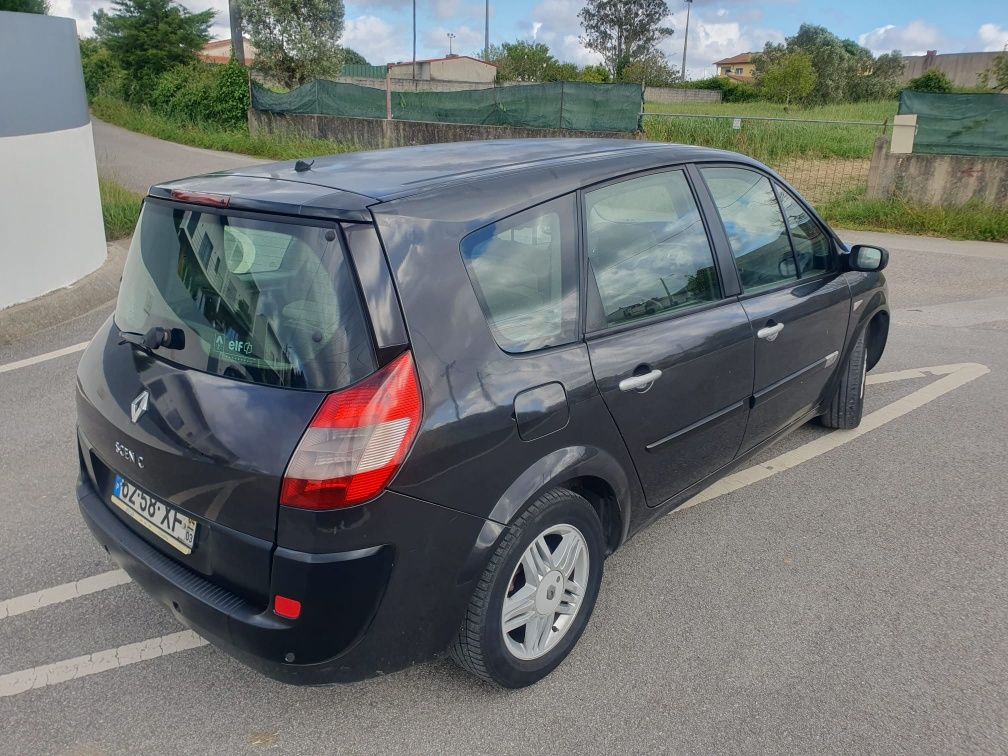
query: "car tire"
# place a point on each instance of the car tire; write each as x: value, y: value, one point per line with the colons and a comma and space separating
x: 848, y: 402
x: 567, y: 525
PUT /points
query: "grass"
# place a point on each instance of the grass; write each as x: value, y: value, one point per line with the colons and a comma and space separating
x: 269, y: 146
x: 973, y: 221
x: 771, y: 141
x: 120, y: 208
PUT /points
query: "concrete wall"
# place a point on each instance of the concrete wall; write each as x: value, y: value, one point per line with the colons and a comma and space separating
x: 942, y: 180
x: 51, y: 230
x: 375, y: 133
x: 460, y: 68
x: 665, y: 94
x: 961, y: 68
x: 421, y: 85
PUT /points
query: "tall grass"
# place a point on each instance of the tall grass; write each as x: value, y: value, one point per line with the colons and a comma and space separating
x: 146, y: 121
x: 972, y: 221
x: 876, y: 110
x: 120, y: 208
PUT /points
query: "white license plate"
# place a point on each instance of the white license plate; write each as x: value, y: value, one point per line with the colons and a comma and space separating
x: 160, y: 519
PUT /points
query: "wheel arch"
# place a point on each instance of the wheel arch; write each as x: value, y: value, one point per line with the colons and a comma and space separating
x: 878, y: 334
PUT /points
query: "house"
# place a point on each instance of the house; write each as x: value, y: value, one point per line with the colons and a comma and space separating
x: 450, y: 68
x: 219, y: 51
x: 738, y: 67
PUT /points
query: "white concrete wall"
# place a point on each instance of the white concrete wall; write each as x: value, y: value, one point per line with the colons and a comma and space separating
x: 51, y: 230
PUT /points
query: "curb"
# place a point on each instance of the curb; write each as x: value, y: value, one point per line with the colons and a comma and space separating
x: 95, y: 289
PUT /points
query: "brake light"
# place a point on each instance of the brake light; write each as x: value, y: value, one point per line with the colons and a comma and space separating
x: 356, y: 442
x: 201, y: 198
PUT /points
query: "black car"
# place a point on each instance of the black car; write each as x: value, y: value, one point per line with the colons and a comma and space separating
x: 353, y: 414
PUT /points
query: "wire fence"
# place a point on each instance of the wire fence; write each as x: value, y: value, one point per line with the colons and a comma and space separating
x: 824, y: 160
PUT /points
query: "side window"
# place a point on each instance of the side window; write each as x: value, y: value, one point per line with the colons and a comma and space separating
x: 752, y: 219
x: 524, y: 272
x: 648, y: 247
x: 812, y: 247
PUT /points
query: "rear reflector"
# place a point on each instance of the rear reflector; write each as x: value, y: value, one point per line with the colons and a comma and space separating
x: 356, y: 442
x: 286, y: 607
x: 201, y: 198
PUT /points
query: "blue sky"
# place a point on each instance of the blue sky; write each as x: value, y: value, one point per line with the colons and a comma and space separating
x: 382, y: 29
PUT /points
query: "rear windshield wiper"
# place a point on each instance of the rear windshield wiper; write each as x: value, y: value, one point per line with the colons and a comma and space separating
x: 155, y: 338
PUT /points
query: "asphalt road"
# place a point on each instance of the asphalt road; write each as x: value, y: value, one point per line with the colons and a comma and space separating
x: 136, y: 161
x: 855, y: 602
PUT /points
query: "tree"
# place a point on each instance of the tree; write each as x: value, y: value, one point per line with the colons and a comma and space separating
x: 25, y: 6
x: 353, y: 58
x: 790, y: 78
x: 996, y: 77
x: 931, y: 81
x: 844, y: 69
x: 523, y: 61
x: 652, y: 70
x: 596, y: 75
x: 147, y: 37
x: 295, y: 41
x: 624, y: 31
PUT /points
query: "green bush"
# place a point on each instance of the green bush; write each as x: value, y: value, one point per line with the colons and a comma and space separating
x: 203, y: 93
x: 932, y: 81
x: 731, y: 91
x: 102, y: 74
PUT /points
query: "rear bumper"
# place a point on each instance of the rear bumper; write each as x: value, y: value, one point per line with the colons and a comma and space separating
x: 364, y: 612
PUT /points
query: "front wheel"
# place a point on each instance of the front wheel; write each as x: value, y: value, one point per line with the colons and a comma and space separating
x: 536, y: 594
x: 847, y: 406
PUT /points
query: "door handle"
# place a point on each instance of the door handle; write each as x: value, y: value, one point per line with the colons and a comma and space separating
x: 636, y: 382
x: 770, y: 332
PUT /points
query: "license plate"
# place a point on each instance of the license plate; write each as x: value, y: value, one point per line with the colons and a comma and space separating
x: 160, y: 519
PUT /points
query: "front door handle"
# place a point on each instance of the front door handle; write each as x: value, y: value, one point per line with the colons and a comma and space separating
x: 637, y: 382
x: 770, y: 332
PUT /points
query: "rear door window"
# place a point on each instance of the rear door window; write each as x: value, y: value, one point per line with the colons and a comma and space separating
x: 648, y: 247
x: 755, y: 227
x: 256, y: 299
x: 524, y: 271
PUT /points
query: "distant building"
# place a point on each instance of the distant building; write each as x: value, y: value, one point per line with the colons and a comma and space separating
x: 961, y: 68
x: 219, y: 51
x: 452, y: 68
x: 738, y: 67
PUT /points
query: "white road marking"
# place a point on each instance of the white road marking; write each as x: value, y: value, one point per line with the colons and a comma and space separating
x: 60, y: 593
x: 101, y: 661
x: 43, y: 357
x: 954, y: 377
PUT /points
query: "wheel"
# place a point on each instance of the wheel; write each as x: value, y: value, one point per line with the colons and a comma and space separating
x: 848, y: 402
x: 536, y: 594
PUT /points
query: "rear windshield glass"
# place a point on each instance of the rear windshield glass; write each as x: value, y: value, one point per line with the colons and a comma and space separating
x: 256, y: 300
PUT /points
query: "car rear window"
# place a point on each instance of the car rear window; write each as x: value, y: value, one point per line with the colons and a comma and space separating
x: 256, y: 299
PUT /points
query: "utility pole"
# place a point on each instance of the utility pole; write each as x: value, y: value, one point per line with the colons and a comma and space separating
x: 685, y: 40
x: 237, y: 41
x: 486, y: 34
x: 450, y: 38
x: 414, y: 42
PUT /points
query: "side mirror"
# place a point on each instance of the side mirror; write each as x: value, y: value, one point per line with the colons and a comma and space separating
x: 867, y: 259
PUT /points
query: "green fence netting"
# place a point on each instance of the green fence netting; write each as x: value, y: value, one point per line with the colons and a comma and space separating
x: 560, y: 105
x: 958, y: 124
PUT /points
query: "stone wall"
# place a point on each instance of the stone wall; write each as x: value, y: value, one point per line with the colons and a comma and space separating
x: 942, y: 180
x: 376, y: 133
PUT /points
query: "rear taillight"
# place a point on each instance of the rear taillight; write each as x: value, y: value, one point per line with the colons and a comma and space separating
x: 356, y: 441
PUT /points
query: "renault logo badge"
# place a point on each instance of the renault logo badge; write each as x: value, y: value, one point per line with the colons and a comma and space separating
x: 139, y: 405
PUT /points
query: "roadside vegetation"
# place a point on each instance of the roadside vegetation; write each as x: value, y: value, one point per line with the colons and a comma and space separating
x: 973, y: 221
x: 120, y: 208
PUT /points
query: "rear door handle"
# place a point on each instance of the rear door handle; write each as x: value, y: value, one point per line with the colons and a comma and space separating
x: 637, y: 382
x: 770, y: 332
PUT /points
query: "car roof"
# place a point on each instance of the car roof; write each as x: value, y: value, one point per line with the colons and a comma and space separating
x: 354, y: 181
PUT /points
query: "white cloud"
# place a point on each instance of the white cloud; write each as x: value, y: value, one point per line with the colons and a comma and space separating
x: 377, y: 40
x: 992, y: 37
x: 914, y: 38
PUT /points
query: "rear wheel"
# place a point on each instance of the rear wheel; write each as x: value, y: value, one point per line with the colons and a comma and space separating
x: 536, y: 594
x: 848, y: 402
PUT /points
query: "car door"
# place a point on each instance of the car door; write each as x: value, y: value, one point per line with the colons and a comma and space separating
x: 792, y: 292
x: 670, y: 346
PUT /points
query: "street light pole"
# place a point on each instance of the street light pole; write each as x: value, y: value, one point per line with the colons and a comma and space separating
x: 685, y: 40
x: 486, y: 34
x: 414, y: 42
x: 450, y: 38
